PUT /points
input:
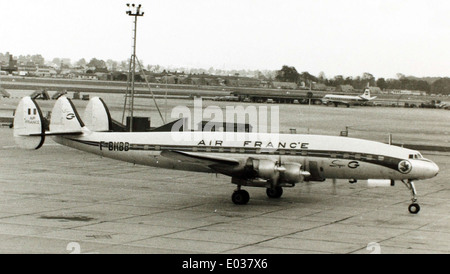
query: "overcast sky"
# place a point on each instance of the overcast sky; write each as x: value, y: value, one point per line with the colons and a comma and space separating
x: 347, y: 37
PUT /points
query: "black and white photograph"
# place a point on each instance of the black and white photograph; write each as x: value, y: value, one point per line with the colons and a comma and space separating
x: 225, y: 133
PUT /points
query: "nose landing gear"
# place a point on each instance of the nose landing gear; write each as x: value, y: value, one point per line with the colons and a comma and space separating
x: 414, y: 207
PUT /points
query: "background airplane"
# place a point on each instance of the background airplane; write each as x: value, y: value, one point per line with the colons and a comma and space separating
x: 271, y: 161
x: 334, y: 99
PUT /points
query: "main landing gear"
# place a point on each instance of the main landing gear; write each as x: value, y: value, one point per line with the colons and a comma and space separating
x: 274, y: 192
x: 414, y: 207
x: 241, y: 196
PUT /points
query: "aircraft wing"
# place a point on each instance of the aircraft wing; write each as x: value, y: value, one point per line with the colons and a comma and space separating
x: 201, y: 159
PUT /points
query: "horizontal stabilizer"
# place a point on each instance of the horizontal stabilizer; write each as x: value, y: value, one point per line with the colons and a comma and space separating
x: 29, y: 127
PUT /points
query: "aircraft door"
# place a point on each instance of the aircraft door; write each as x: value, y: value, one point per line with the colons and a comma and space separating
x: 316, y: 171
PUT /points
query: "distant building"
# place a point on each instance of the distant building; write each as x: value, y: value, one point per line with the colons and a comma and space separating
x: 407, y: 92
x: 318, y: 86
x: 284, y: 85
x: 375, y: 90
x: 12, y: 65
x: 169, y: 79
x: 102, y: 76
x: 45, y: 72
x: 27, y: 68
x: 87, y: 76
x: 344, y: 88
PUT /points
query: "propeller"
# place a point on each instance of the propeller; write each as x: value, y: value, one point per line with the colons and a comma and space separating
x: 279, y: 168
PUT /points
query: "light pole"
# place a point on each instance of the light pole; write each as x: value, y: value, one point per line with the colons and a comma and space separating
x: 133, y: 11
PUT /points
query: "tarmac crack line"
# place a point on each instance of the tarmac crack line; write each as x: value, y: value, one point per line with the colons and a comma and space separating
x: 292, y: 233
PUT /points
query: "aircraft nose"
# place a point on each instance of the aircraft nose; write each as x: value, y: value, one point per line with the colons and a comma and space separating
x: 429, y: 169
x: 434, y: 169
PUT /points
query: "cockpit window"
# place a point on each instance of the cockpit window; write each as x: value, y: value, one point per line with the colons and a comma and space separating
x: 415, y: 156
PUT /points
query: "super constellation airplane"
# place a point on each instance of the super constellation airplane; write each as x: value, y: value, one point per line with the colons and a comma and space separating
x: 333, y: 99
x: 265, y: 160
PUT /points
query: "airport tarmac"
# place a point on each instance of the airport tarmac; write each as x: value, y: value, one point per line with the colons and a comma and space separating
x: 60, y: 200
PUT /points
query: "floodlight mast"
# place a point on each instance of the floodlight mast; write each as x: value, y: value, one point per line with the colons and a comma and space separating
x: 133, y: 11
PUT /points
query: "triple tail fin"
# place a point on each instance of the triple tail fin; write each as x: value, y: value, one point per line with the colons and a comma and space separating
x: 97, y: 116
x: 65, y: 119
x: 29, y: 123
x: 29, y: 128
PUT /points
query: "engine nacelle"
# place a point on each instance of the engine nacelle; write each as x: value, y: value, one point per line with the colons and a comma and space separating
x: 293, y: 173
x: 266, y: 169
x: 290, y: 173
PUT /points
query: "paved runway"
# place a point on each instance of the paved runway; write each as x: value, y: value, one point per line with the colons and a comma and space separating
x: 60, y: 200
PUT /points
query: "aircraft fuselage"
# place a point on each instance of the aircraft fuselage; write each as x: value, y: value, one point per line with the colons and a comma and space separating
x: 323, y: 156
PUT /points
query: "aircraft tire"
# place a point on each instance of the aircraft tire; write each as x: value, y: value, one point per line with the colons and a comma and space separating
x: 414, y: 208
x: 240, y: 197
x: 275, y: 192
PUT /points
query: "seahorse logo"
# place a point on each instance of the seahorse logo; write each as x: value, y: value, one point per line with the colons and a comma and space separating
x: 404, y: 166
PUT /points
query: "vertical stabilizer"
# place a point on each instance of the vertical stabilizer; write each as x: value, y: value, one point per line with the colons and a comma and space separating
x: 29, y: 129
x: 97, y: 116
x: 366, y: 94
x: 65, y: 118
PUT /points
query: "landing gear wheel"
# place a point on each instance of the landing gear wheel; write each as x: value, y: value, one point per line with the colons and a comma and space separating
x: 414, y: 208
x: 274, y: 192
x: 240, y: 197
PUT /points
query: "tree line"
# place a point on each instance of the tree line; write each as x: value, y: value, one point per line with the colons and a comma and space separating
x: 285, y: 74
x: 429, y: 85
